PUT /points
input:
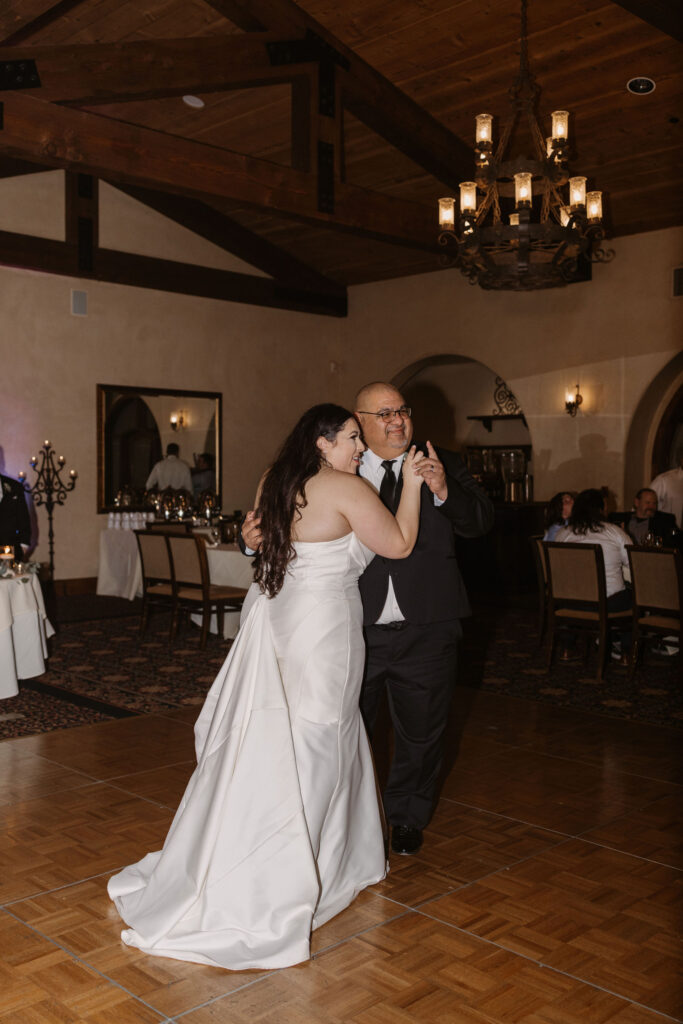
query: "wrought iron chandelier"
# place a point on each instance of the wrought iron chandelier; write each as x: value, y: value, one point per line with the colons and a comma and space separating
x: 548, y: 240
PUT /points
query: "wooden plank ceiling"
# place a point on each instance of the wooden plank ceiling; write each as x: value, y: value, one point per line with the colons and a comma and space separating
x: 320, y: 162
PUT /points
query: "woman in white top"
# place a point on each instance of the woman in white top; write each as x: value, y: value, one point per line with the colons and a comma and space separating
x: 587, y: 525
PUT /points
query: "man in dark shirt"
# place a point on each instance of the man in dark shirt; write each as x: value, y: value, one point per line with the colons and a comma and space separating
x: 646, y: 520
x: 15, y: 523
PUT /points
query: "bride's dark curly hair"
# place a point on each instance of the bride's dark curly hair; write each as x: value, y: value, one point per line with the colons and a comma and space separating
x: 283, y: 494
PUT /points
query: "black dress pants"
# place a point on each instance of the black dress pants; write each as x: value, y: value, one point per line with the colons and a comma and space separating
x: 417, y: 665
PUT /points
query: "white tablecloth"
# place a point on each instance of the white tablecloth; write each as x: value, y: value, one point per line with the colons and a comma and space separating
x: 24, y: 629
x: 120, y: 574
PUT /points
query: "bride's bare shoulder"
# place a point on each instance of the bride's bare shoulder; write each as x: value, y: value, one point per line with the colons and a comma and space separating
x: 343, y: 490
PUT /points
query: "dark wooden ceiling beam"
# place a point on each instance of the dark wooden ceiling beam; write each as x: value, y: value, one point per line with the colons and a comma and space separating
x: 371, y: 98
x: 25, y: 30
x: 27, y: 252
x: 86, y: 142
x: 94, y: 73
x: 232, y: 237
x: 11, y: 168
x: 237, y: 13
x: 664, y: 15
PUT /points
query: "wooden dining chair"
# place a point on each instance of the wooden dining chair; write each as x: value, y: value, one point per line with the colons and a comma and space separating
x: 577, y: 598
x: 194, y: 592
x: 157, y: 576
x: 657, y: 581
x: 538, y: 557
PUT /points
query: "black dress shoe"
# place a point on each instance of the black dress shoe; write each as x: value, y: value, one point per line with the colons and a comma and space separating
x: 405, y: 839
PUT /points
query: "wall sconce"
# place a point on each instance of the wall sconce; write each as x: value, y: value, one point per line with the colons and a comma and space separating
x: 573, y: 402
x: 179, y: 420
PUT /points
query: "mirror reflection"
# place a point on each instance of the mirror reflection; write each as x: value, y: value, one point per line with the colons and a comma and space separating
x: 151, y: 439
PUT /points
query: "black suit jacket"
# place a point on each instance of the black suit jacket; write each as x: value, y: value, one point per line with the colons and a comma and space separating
x: 15, y: 523
x: 428, y: 584
x: 662, y: 524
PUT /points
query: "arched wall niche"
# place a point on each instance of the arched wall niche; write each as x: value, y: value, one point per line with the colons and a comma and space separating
x: 659, y: 397
x: 444, y: 390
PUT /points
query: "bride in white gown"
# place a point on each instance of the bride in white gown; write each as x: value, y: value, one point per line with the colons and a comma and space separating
x: 279, y: 827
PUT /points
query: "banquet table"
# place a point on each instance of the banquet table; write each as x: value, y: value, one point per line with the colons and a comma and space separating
x: 120, y: 573
x: 24, y: 630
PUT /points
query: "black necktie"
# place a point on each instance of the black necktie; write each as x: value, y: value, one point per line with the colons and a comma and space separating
x: 387, y: 488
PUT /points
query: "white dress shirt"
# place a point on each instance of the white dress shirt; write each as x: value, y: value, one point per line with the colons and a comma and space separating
x: 669, y: 490
x: 371, y: 469
x: 170, y: 472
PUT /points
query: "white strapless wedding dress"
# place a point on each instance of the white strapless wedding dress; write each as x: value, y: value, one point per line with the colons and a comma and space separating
x: 279, y: 827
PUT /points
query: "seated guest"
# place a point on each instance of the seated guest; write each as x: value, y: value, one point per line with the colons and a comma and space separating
x: 170, y: 472
x: 588, y: 525
x: 646, y: 519
x: 557, y: 513
x: 15, y: 524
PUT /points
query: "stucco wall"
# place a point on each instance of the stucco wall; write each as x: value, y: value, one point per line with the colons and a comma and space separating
x: 269, y: 364
x: 613, y: 335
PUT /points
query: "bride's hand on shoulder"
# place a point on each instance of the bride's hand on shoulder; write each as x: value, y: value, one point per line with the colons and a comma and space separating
x: 411, y: 473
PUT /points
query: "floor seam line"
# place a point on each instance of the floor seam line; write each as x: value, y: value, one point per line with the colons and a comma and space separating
x: 548, y: 967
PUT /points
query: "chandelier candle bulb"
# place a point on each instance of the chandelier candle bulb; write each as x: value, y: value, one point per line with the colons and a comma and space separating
x: 522, y: 188
x: 560, y: 120
x: 594, y: 205
x: 484, y: 128
x: 468, y: 196
x: 447, y: 213
x: 577, y: 192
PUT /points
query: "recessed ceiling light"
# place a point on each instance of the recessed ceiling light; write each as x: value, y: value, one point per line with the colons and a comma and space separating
x: 640, y: 86
x: 193, y: 101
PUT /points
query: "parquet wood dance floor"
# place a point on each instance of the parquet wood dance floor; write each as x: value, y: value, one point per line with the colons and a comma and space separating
x: 548, y: 890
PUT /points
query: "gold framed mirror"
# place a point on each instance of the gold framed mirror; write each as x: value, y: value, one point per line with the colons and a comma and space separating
x: 134, y: 428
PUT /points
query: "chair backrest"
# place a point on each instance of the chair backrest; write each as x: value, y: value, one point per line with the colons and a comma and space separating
x: 188, y: 555
x: 154, y: 557
x: 656, y: 577
x: 536, y: 542
x: 576, y: 572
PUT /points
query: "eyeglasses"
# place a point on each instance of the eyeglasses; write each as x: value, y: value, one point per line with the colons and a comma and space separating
x: 388, y: 414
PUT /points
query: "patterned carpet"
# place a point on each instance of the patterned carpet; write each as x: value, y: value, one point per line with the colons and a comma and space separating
x: 100, y: 669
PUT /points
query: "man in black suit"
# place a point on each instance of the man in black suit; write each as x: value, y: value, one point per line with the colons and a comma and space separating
x: 412, y: 608
x: 646, y: 519
x: 15, y: 524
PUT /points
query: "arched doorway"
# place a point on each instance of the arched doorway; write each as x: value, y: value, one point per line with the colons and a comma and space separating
x: 463, y: 405
x: 656, y: 432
